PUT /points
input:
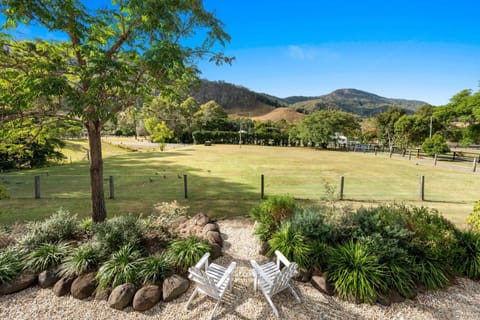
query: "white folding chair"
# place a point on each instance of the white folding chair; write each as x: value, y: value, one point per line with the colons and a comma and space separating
x: 272, y: 279
x: 211, y: 279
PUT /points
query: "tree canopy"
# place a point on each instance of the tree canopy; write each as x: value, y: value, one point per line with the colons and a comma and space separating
x: 106, y: 61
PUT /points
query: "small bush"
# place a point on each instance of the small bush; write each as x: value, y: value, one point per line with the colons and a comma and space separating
x: 3, y: 192
x: 4, y: 239
x: 11, y: 264
x: 467, y: 257
x: 270, y: 213
x: 312, y: 223
x: 86, y: 224
x: 356, y: 273
x: 292, y: 244
x: 117, y: 232
x: 45, y: 256
x: 187, y: 252
x: 474, y: 217
x: 82, y: 259
x: 167, y: 212
x: 61, y: 226
x: 154, y: 269
x: 432, y: 273
x: 121, y: 268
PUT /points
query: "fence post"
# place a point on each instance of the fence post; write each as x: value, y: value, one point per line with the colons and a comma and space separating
x: 375, y: 148
x: 262, y: 187
x: 342, y: 184
x: 185, y: 186
x: 474, y: 164
x: 410, y: 155
x: 454, y: 154
x: 391, y: 151
x: 435, y: 160
x: 112, y: 187
x: 422, y: 188
x: 37, y: 187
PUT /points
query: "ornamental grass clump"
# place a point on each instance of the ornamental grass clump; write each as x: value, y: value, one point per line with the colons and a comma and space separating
x: 467, y: 259
x: 121, y: 268
x: 356, y: 273
x: 292, y: 244
x: 154, y: 269
x: 185, y: 253
x: 61, y: 226
x: 11, y: 264
x: 82, y: 259
x: 46, y: 256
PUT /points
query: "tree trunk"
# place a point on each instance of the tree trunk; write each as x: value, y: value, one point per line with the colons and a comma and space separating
x: 99, y: 210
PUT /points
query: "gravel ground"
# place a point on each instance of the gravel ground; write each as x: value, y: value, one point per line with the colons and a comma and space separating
x: 460, y: 301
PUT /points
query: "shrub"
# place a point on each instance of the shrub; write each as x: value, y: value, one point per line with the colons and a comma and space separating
x: 61, y: 226
x: 356, y: 272
x: 292, y: 244
x: 312, y: 223
x: 154, y: 269
x: 11, y: 264
x: 86, y: 224
x: 3, y: 192
x: 45, y: 256
x: 121, y: 268
x: 467, y: 256
x: 431, y: 272
x: 117, y: 232
x: 4, y: 239
x: 435, y: 145
x: 318, y: 256
x: 270, y: 213
x: 187, y: 252
x: 167, y: 212
x: 474, y: 217
x: 82, y: 259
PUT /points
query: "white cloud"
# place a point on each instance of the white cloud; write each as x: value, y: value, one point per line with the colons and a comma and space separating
x: 310, y: 53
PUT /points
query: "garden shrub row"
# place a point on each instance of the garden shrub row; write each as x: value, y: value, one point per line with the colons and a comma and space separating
x: 116, y: 250
x: 370, y: 253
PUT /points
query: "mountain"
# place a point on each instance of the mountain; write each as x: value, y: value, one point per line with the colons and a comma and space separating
x: 351, y: 100
x: 240, y: 101
x: 236, y: 99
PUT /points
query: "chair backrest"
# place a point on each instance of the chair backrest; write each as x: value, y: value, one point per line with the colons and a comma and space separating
x: 204, y: 283
x: 280, y: 282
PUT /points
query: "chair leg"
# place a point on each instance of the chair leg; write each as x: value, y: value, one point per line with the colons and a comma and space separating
x: 272, y: 305
x: 214, y: 309
x: 294, y: 294
x: 191, y: 297
x: 255, y: 280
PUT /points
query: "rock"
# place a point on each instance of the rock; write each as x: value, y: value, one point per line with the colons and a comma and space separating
x: 47, y: 279
x: 392, y: 297
x: 303, y: 275
x: 215, y: 252
x: 102, y: 294
x: 323, y: 285
x: 173, y: 287
x: 21, y: 282
x: 214, y: 237
x: 121, y: 296
x: 264, y: 248
x: 84, y: 286
x: 178, y: 221
x: 209, y: 227
x: 62, y: 287
x: 201, y: 219
x: 146, y: 297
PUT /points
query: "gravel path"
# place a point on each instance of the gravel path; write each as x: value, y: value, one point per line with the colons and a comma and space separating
x: 461, y: 301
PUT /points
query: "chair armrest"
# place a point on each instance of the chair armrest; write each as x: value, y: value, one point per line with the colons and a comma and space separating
x: 226, y: 276
x: 203, y: 261
x: 281, y: 258
x: 260, y: 272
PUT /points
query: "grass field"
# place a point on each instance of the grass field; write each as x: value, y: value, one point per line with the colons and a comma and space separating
x: 224, y: 180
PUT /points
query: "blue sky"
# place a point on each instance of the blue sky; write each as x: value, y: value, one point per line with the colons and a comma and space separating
x: 425, y: 50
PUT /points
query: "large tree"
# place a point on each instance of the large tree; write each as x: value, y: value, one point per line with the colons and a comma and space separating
x: 105, y: 60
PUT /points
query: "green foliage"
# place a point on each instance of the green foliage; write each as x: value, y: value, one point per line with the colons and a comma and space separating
x: 11, y: 264
x: 46, y: 256
x: 82, y: 259
x: 61, y: 226
x: 431, y: 273
x: 158, y: 131
x: 385, y: 122
x: 467, y: 257
x: 3, y: 192
x: 270, y: 213
x: 121, y: 268
x: 313, y: 223
x: 86, y: 224
x: 292, y: 244
x: 357, y: 273
x: 118, y: 232
x: 154, y: 269
x: 435, y: 145
x: 473, y: 219
x: 187, y: 252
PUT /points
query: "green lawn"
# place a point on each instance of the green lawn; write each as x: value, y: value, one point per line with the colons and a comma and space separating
x: 224, y: 180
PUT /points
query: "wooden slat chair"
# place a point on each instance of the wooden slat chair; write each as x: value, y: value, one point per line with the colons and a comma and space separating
x: 211, y: 279
x: 272, y: 279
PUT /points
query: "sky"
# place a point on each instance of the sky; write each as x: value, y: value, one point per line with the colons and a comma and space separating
x: 424, y: 50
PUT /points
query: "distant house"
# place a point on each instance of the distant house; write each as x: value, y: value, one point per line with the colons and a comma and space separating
x: 339, y: 139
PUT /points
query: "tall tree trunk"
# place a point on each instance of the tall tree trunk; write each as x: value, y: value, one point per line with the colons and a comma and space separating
x: 99, y: 210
